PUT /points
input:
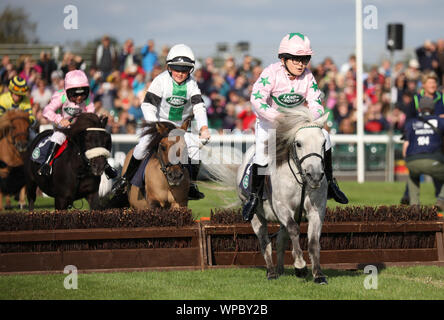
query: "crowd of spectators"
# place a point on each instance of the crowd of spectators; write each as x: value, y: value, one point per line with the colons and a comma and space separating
x: 385, y: 103
x: 119, y: 78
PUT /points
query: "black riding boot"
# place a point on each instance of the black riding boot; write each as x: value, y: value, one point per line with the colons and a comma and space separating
x: 120, y: 186
x: 46, y: 169
x: 194, y: 193
x: 110, y: 172
x: 333, y: 187
x: 257, y: 182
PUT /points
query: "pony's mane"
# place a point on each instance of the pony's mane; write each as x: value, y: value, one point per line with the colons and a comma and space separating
x: 5, y: 120
x: 83, y: 121
x: 287, y: 125
x: 156, y: 136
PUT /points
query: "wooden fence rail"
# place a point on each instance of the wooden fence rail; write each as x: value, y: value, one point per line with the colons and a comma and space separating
x: 165, y: 248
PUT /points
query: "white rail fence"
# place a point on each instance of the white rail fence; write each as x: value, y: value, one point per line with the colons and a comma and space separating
x: 122, y: 143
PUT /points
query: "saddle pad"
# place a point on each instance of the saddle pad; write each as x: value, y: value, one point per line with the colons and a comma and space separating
x: 40, y: 152
x: 245, y: 184
x: 138, y: 179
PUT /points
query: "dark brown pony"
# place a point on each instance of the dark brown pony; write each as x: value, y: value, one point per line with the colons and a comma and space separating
x: 76, y: 173
x: 14, y: 125
x: 166, y: 179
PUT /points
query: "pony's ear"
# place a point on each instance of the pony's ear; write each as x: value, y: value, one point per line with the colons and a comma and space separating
x: 321, y: 120
x: 161, y: 128
x: 186, y: 124
x: 103, y: 121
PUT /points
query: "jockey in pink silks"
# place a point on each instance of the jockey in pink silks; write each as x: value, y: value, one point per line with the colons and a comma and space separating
x: 70, y: 102
x: 286, y: 84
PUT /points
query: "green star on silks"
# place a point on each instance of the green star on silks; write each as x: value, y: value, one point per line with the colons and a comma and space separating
x: 265, y: 81
x: 319, y: 101
x: 315, y: 86
x: 257, y: 95
x: 264, y: 106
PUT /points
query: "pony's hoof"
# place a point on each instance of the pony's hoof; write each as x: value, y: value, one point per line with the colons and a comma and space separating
x: 272, y: 275
x: 301, y: 273
x: 321, y: 280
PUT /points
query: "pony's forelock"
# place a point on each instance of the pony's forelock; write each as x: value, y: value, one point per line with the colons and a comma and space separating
x: 287, y: 125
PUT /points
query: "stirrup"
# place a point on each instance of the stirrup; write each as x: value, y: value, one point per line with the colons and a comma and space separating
x: 44, y: 170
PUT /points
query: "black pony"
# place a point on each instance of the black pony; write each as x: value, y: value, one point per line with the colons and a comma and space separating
x: 76, y: 172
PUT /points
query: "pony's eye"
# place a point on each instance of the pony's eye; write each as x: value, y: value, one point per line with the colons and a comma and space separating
x: 163, y: 147
x: 298, y: 144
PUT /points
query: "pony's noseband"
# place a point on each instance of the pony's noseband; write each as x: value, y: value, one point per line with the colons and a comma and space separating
x: 97, y: 151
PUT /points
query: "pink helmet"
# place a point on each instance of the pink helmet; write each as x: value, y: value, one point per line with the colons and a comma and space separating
x: 76, y: 79
x: 295, y: 44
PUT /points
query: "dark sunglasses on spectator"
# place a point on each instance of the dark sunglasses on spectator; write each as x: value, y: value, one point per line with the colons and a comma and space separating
x: 304, y: 59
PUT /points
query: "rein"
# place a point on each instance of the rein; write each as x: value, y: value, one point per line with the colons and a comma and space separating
x: 298, y: 161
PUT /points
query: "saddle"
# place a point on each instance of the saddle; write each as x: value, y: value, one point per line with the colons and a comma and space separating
x: 138, y: 179
x: 40, y: 152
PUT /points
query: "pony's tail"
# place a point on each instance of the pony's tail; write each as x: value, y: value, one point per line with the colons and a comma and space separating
x: 221, y: 165
x: 222, y: 172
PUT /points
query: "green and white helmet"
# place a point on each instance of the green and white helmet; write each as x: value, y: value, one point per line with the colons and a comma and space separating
x: 180, y: 58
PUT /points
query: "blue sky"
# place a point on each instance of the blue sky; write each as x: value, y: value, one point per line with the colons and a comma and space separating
x: 201, y: 24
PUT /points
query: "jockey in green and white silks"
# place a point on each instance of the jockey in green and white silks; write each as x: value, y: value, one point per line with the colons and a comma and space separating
x: 166, y: 100
x: 285, y: 84
x: 173, y: 96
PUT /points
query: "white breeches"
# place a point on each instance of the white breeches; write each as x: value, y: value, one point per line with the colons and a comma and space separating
x: 262, y: 134
x: 58, y: 137
x: 192, y: 141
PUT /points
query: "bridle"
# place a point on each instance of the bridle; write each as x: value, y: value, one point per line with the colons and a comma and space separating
x: 165, y: 166
x: 293, y: 155
x: 92, y: 153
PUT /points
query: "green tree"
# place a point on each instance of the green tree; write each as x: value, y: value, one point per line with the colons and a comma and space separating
x: 16, y: 26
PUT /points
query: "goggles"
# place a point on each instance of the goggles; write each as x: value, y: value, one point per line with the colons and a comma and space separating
x: 18, y: 90
x: 180, y: 68
x: 76, y: 92
x: 295, y: 59
x: 304, y: 59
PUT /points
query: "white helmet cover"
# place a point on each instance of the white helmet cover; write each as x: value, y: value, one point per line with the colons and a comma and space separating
x: 180, y: 55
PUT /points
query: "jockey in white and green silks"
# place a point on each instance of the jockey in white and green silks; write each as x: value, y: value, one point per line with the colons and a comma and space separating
x: 173, y: 96
x: 285, y: 84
